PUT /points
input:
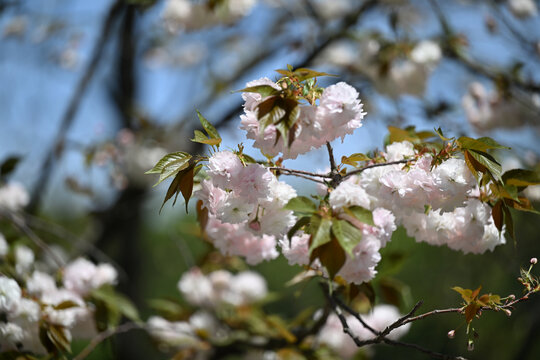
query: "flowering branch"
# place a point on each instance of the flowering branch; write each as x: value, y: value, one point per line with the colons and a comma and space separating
x: 381, y: 337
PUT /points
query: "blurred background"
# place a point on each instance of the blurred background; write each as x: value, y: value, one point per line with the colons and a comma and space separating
x: 95, y: 92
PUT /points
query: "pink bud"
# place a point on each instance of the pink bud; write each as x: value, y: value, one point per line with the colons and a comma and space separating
x: 512, y: 297
x: 451, y: 334
x: 255, y: 225
x: 534, y: 261
x: 508, y: 312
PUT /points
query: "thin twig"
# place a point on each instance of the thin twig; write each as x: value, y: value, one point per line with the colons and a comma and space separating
x: 471, y: 64
x: 356, y: 315
x: 79, y: 244
x: 20, y: 224
x: 402, y: 320
x: 358, y: 171
x: 530, y: 46
x: 300, y: 172
x: 307, y: 178
x: 431, y: 313
x: 104, y: 336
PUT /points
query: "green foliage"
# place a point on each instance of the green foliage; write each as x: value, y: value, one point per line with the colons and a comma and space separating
x: 171, y: 164
x: 301, y: 205
x: 408, y: 134
x: 346, y: 234
x: 319, y: 229
x: 361, y: 214
x: 111, y: 306
x: 474, y: 301
x: 301, y: 74
x: 8, y: 166
x: 212, y: 136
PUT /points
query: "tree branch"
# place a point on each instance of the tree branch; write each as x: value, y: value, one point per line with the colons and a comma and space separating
x: 104, y: 336
x: 67, y: 119
x: 21, y: 225
x: 358, y: 171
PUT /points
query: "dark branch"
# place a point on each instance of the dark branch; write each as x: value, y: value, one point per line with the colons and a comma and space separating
x: 67, y: 119
x: 358, y: 171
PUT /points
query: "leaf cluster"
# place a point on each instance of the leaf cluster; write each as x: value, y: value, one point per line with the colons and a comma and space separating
x: 333, y: 236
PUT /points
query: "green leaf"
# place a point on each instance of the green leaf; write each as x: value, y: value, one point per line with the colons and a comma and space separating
x: 358, y: 157
x: 266, y: 106
x: 471, y: 310
x: 521, y: 204
x: 466, y: 294
x: 354, y: 158
x: 170, y: 165
x: 301, y: 205
x: 302, y: 73
x: 116, y: 302
x: 489, y: 162
x: 363, y: 215
x: 286, y: 126
x: 166, y: 307
x: 482, y: 144
x: 164, y: 161
x: 209, y: 128
x: 182, y: 183
x: 346, y: 234
x: 200, y: 137
x: 439, y: 132
x: 59, y: 337
x: 274, y: 116
x: 521, y: 177
x: 301, y: 222
x: 398, y: 135
x: 264, y: 90
x: 509, y: 222
x: 331, y: 255
x: 9, y: 165
x: 66, y: 305
x: 497, y: 215
x: 320, y: 231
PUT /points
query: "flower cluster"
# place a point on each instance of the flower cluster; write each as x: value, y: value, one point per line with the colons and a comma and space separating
x: 13, y: 196
x: 439, y: 206
x: 34, y: 302
x: 222, y: 287
x: 360, y: 267
x: 207, y: 292
x: 405, y: 75
x: 490, y: 110
x: 339, y: 113
x: 245, y: 208
x: 188, y: 15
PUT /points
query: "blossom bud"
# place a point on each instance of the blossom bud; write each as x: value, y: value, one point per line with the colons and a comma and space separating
x: 255, y: 225
x: 534, y: 261
x: 512, y: 297
x: 507, y: 312
x: 470, y: 345
x: 451, y: 334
